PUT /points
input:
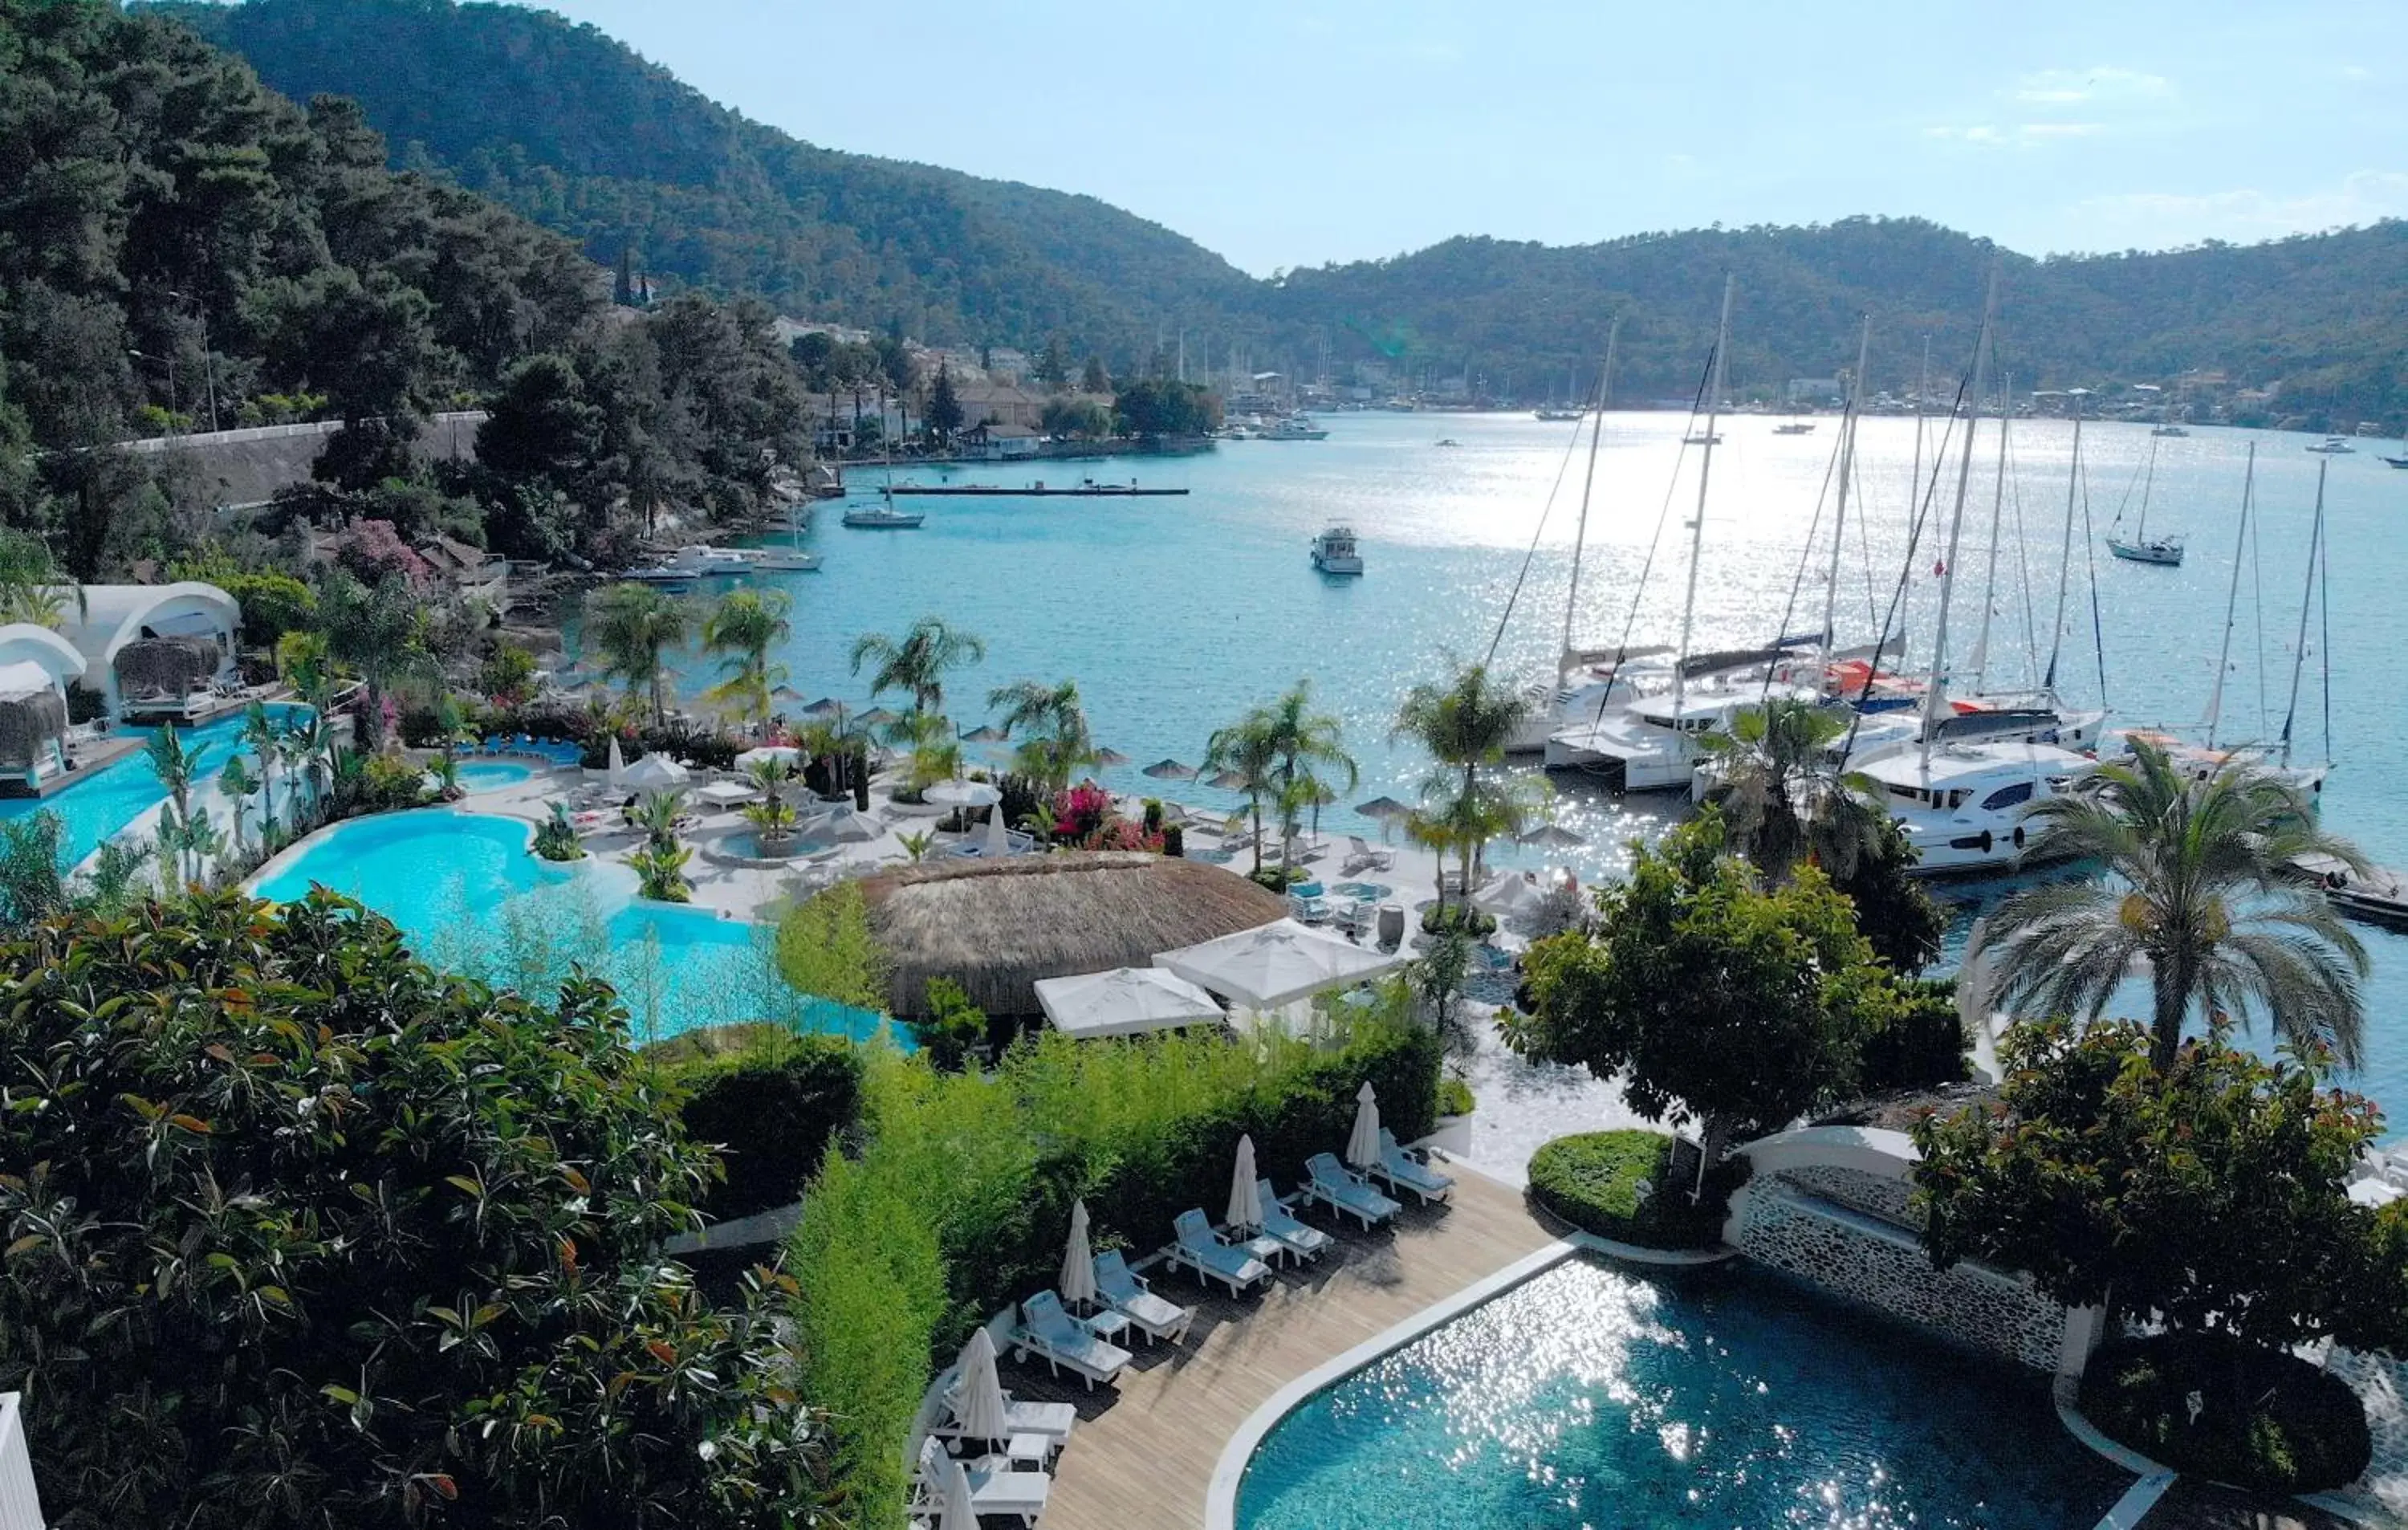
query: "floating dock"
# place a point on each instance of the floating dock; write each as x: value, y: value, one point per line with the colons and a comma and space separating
x: 1034, y: 491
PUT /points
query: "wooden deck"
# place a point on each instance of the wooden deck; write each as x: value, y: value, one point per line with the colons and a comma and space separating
x: 1144, y: 1455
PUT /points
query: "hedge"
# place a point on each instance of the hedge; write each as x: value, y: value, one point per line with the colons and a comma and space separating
x: 2269, y: 1421
x: 1612, y: 1185
x: 770, y: 1100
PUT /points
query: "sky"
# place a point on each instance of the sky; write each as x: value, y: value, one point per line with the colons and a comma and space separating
x: 1312, y: 131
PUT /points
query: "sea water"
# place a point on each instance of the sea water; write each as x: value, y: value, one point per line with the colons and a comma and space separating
x: 1176, y: 614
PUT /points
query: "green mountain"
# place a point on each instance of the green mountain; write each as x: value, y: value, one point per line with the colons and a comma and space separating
x: 568, y: 127
x: 572, y: 129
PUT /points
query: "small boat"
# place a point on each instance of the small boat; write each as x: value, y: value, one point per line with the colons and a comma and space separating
x: 785, y: 561
x: 2170, y: 430
x: 1701, y: 438
x: 2156, y: 549
x: 1334, y: 551
x: 1448, y: 440
x: 882, y: 516
x: 697, y: 560
x: 2334, y: 446
x: 1795, y: 427
x: 2396, y: 462
x: 1558, y: 416
x: 1295, y: 428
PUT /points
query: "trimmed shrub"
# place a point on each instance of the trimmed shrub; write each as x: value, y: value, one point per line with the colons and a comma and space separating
x: 1453, y: 1096
x: 1923, y: 1045
x: 2268, y: 1420
x: 769, y: 1100
x: 1612, y: 1183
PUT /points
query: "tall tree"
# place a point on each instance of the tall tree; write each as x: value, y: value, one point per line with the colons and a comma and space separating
x: 742, y: 628
x: 632, y: 627
x: 1052, y: 721
x: 378, y: 632
x: 917, y: 662
x: 2215, y: 885
x: 944, y: 411
x: 1249, y: 749
x: 1464, y: 723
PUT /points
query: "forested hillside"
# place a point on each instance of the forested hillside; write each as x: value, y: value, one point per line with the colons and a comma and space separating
x: 180, y: 246
x: 570, y: 128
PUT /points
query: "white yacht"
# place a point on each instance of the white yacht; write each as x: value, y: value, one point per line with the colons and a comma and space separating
x: 1964, y: 805
x: 1334, y: 551
x: 697, y: 560
x: 882, y: 516
x: 1584, y: 694
x: 2334, y: 446
x: 1295, y: 427
x: 1652, y: 744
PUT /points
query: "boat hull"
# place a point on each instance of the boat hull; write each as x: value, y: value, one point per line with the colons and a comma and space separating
x: 2146, y: 552
x: 1340, y: 567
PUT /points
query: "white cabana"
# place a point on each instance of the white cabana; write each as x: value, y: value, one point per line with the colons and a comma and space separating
x: 785, y: 754
x: 1126, y: 1001
x: 963, y: 795
x: 109, y: 618
x: 1363, y: 1142
x: 654, y: 772
x: 1511, y: 896
x: 1245, y: 1192
x: 977, y: 1403
x: 1275, y: 965
x: 1078, y: 1282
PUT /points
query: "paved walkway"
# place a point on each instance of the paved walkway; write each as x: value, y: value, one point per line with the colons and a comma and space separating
x: 1144, y: 1454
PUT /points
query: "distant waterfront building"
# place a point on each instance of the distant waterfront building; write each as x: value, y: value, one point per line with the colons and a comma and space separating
x: 1817, y: 391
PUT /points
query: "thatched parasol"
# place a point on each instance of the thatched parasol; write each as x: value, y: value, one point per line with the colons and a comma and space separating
x: 1111, y: 758
x: 166, y: 666
x: 995, y: 927
x: 1227, y: 780
x: 1169, y: 770
x: 29, y: 725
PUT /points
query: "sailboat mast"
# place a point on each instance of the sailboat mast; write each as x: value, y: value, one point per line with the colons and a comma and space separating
x: 2148, y: 481
x: 1839, y: 523
x: 1922, y: 387
x: 1580, y: 537
x: 2232, y: 597
x: 1697, y: 526
x: 1935, y: 698
x: 2065, y: 550
x: 2300, y: 649
x: 1980, y: 666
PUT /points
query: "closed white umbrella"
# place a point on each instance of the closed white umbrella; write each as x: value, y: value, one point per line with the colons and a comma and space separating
x: 1275, y: 964
x: 654, y: 772
x: 1124, y: 1001
x: 1510, y: 894
x: 997, y: 840
x: 1363, y: 1142
x: 957, y: 1513
x: 618, y: 760
x: 977, y: 1405
x: 1245, y: 1195
x: 1078, y: 1283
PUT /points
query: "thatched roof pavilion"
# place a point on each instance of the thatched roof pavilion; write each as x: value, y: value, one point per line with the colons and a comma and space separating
x: 995, y: 927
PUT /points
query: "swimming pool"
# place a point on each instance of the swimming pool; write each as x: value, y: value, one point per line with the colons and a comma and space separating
x: 471, y: 898
x: 1591, y: 1395
x: 103, y: 801
x: 493, y: 774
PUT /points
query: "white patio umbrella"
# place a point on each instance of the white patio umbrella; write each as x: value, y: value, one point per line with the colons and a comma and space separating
x: 1510, y: 894
x: 964, y: 794
x: 1078, y: 1282
x: 956, y: 1511
x: 1246, y: 1194
x: 618, y: 760
x: 997, y: 840
x: 1124, y: 1001
x: 977, y: 1405
x: 1363, y: 1142
x: 847, y: 825
x: 656, y: 772
x: 1275, y: 964
x: 781, y: 753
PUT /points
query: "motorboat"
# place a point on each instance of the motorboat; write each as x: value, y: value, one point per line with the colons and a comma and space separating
x: 696, y: 560
x: 1334, y: 551
x: 882, y: 516
x: 1965, y: 806
x: 1795, y: 427
x: 2334, y: 446
x: 1448, y: 440
x: 1296, y: 427
x: 2175, y: 430
x: 1554, y: 416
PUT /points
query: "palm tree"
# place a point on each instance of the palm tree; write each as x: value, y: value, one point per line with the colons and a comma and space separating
x: 2213, y: 883
x: 935, y: 753
x: 32, y: 589
x: 1057, y: 740
x: 378, y: 631
x: 237, y: 785
x: 1464, y: 723
x: 632, y: 626
x: 1302, y: 741
x: 745, y: 625
x: 918, y: 663
x: 772, y: 816
x: 311, y: 745
x: 260, y: 730
x: 176, y: 768
x: 1249, y: 749
x: 1784, y: 800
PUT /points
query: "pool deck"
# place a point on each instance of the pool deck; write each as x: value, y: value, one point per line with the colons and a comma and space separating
x: 1144, y: 1454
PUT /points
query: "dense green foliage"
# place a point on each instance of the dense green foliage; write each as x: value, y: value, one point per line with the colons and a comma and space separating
x: 1924, y: 1044
x: 2211, y: 1194
x: 573, y: 130
x: 176, y: 239
x: 982, y: 1166
x: 826, y: 948
x: 2301, y: 1430
x: 302, y: 1232
x: 1612, y: 1183
x: 1736, y: 1005
x: 769, y: 1099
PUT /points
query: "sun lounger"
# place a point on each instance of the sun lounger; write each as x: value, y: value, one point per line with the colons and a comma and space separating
x: 1201, y: 1249
x: 1341, y: 1189
x: 1055, y: 1420
x: 993, y: 1488
x: 1064, y: 1343
x: 1126, y: 1292
x: 1403, y: 1172
x: 1301, y: 1240
x: 1361, y: 856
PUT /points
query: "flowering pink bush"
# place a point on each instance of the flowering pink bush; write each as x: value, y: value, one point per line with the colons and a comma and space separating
x: 372, y: 549
x: 1079, y: 813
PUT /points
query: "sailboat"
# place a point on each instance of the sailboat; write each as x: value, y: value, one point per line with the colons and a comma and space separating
x: 2141, y: 548
x: 2402, y: 460
x: 884, y: 515
x: 790, y: 558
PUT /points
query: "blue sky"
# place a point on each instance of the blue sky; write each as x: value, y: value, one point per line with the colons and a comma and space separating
x: 1284, y: 135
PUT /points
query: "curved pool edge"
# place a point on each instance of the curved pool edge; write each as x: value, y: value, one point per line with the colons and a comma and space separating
x: 1229, y: 1472
x: 278, y: 863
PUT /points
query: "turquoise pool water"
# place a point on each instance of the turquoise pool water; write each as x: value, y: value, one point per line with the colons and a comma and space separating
x: 1591, y: 1396
x: 104, y: 801
x: 471, y: 898
x: 493, y: 774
